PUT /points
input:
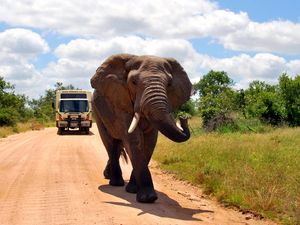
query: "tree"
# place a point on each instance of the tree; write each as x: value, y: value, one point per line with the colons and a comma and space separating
x: 265, y: 102
x: 290, y: 92
x: 42, y: 107
x: 216, y: 96
x: 188, y: 109
x: 12, y: 106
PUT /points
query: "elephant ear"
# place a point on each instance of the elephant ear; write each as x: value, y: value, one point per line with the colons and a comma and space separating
x: 110, y: 81
x: 180, y: 89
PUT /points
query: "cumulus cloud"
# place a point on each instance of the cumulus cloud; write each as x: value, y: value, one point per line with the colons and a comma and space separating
x: 79, y: 59
x: 275, y: 36
x: 156, y: 19
x: 155, y: 27
x: 22, y: 42
x: 85, y: 18
x: 18, y: 49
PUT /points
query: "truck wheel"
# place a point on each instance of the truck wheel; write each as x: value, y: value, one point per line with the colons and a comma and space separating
x: 60, y: 130
x: 87, y: 130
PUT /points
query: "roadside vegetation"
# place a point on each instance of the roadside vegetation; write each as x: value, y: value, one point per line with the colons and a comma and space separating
x: 18, y: 113
x: 245, y: 145
x: 258, y: 172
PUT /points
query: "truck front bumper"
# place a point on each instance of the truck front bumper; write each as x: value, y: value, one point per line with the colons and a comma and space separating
x: 73, y: 124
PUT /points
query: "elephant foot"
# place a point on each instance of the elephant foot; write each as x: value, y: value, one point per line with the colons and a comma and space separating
x: 131, y: 188
x: 146, y: 195
x: 106, y: 173
x: 117, y: 182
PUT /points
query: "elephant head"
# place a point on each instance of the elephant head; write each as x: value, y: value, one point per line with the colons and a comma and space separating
x: 146, y: 86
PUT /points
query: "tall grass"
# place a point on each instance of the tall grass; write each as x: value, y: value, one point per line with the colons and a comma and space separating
x: 259, y: 172
x: 22, y: 127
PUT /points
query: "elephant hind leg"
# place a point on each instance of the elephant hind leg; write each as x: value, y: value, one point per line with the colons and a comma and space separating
x: 113, y: 147
x: 114, y: 169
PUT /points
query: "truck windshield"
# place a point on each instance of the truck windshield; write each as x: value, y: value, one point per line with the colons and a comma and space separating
x: 73, y: 106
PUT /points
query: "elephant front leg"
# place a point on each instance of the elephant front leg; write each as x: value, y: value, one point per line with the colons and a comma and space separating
x: 143, y: 185
x: 131, y: 187
x: 145, y: 190
x: 141, y: 180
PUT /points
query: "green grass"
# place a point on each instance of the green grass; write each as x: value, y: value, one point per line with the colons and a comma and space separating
x: 259, y: 172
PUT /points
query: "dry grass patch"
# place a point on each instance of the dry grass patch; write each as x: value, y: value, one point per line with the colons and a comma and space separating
x: 22, y: 127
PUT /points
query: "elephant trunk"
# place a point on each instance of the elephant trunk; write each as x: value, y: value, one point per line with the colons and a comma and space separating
x: 156, y: 109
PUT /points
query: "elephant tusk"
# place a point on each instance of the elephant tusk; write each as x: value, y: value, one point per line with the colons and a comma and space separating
x: 179, y: 125
x: 134, y: 123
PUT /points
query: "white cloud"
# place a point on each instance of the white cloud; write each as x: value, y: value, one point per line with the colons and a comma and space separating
x: 105, y: 18
x: 261, y: 65
x: 156, y: 27
x: 22, y: 42
x: 18, y: 48
x: 156, y: 19
x: 293, y: 67
x: 80, y: 58
x: 275, y: 36
x: 243, y: 68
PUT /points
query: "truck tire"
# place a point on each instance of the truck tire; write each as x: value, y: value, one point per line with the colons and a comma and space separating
x: 87, y: 130
x: 60, y: 130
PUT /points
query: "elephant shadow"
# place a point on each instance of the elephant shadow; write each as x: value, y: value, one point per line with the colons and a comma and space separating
x: 164, y: 207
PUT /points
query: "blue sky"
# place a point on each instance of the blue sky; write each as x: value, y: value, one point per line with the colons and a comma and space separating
x: 265, y: 10
x: 43, y: 42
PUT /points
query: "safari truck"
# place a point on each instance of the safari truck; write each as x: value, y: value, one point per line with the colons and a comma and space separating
x: 73, y: 110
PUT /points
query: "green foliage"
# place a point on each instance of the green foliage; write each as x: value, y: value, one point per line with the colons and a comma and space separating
x: 216, y: 96
x: 12, y: 106
x: 42, y: 107
x: 214, y: 83
x: 264, y: 101
x: 290, y: 91
x: 271, y: 104
x: 187, y: 110
x: 241, y: 124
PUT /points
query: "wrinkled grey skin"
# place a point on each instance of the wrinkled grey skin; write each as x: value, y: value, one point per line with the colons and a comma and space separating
x: 151, y: 86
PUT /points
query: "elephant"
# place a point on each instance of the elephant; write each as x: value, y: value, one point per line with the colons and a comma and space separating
x: 134, y: 97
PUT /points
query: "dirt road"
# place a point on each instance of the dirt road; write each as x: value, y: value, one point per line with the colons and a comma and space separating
x: 51, y: 179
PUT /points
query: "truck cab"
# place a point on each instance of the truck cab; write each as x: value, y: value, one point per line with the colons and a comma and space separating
x: 73, y: 110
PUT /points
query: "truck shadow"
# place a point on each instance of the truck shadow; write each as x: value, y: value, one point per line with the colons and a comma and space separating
x: 75, y: 132
x: 164, y: 207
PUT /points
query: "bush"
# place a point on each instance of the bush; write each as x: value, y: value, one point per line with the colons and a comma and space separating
x: 290, y: 92
x: 8, y: 117
x: 12, y: 106
x: 220, y: 121
x: 264, y: 101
